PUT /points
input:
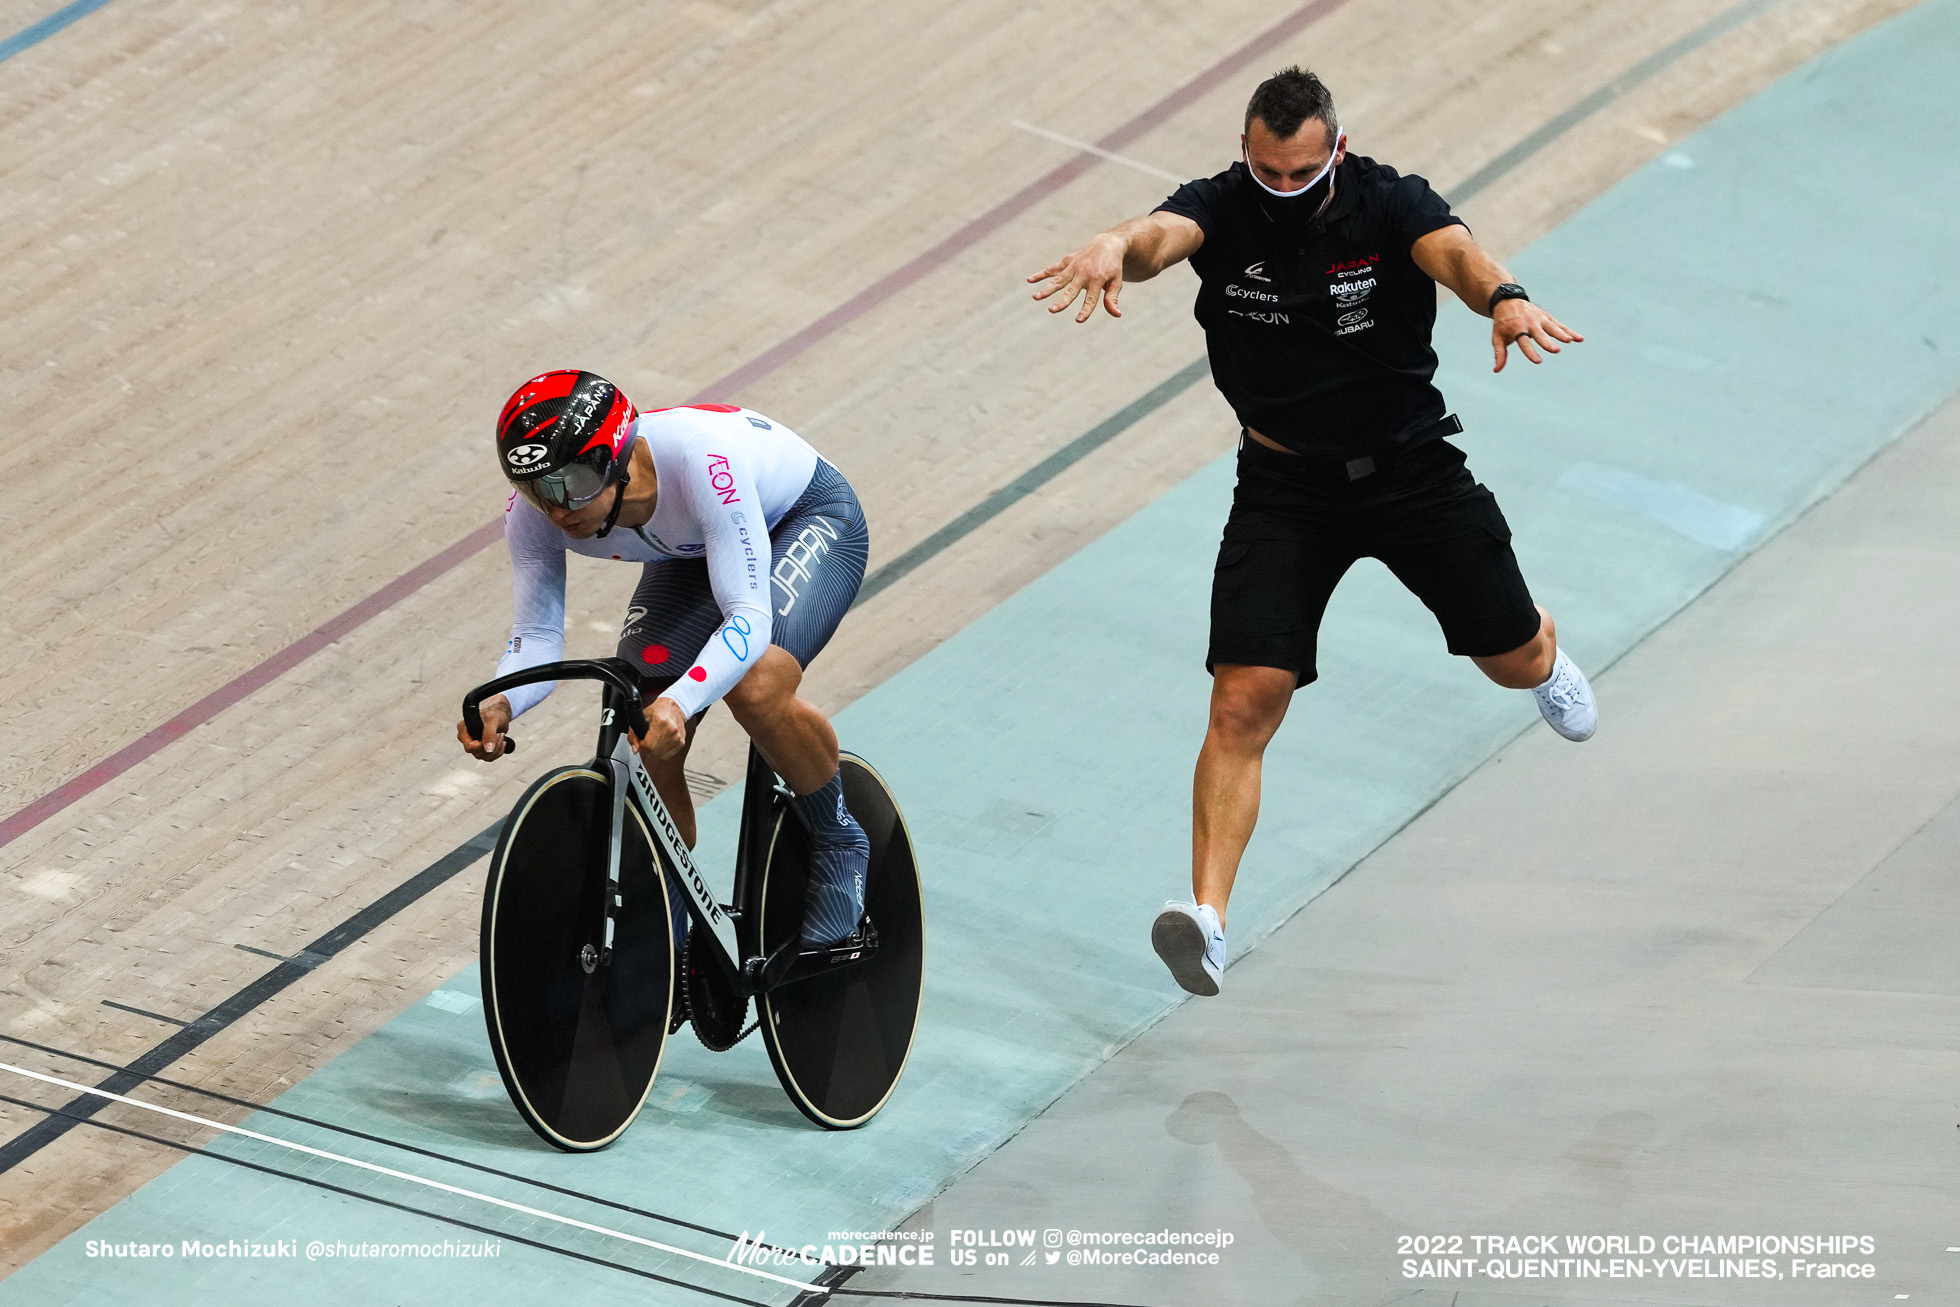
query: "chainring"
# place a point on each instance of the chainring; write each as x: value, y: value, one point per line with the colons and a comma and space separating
x: 715, y: 1012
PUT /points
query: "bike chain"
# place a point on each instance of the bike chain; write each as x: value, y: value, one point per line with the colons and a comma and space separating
x: 717, y: 1041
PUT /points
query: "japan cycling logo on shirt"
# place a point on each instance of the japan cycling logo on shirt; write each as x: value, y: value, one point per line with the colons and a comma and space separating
x: 1257, y: 271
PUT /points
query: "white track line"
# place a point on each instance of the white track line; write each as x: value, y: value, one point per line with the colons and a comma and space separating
x: 1099, y: 152
x: 803, y: 1285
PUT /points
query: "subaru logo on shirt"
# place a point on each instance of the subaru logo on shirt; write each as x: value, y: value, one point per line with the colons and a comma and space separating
x: 1349, y: 319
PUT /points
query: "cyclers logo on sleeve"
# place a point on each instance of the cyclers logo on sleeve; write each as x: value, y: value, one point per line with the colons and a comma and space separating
x: 722, y: 479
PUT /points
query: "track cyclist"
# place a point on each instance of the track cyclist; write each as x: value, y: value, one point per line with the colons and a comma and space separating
x: 751, y: 549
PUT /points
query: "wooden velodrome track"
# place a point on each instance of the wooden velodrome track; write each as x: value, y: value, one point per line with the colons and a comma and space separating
x: 273, y: 269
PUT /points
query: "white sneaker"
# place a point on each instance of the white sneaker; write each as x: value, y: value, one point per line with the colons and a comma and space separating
x: 1189, y: 939
x: 1566, y: 701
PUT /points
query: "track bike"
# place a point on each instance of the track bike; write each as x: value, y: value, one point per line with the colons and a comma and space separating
x: 582, y: 984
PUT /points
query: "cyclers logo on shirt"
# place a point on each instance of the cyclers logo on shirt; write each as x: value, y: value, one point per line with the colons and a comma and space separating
x: 722, y: 479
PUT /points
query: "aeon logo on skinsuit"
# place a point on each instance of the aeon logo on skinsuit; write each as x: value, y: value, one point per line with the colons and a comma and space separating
x: 722, y: 479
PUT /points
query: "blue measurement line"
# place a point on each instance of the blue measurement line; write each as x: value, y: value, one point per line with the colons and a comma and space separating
x: 35, y: 33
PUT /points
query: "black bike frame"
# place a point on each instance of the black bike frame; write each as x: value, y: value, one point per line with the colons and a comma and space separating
x: 763, y: 796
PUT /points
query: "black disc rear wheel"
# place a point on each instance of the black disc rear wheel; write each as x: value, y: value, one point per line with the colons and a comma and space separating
x: 577, y: 1040
x: 839, y: 1042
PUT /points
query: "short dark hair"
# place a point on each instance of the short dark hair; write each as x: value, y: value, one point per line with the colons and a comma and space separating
x: 1288, y: 98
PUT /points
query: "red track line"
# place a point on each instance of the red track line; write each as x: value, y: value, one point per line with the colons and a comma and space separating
x: 1012, y: 207
x: 754, y: 370
x: 246, y: 683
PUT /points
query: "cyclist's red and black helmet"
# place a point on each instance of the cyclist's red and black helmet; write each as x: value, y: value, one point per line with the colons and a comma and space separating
x: 563, y: 435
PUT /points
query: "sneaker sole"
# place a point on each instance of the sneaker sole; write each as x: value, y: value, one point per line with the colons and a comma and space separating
x: 1564, y: 734
x: 1180, y: 942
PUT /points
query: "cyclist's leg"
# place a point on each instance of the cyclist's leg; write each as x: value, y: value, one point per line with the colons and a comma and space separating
x: 819, y: 551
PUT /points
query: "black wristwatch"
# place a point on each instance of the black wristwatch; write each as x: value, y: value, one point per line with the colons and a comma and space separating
x: 1510, y: 290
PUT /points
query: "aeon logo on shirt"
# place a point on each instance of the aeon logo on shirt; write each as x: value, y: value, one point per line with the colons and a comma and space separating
x: 722, y: 479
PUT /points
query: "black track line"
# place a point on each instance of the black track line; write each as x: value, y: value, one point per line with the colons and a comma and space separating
x: 383, y: 1140
x: 381, y: 1202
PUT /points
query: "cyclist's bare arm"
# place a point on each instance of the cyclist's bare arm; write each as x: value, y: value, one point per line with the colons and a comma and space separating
x: 1135, y: 251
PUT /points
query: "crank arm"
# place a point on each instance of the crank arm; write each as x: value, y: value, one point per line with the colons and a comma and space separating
x: 793, y: 962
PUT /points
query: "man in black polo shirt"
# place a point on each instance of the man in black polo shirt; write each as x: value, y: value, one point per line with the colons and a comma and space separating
x: 1318, y: 272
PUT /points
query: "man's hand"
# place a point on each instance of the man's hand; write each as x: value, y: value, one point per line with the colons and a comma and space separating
x: 1133, y: 251
x: 1531, y: 327
x: 666, y: 731
x: 496, y: 721
x: 1095, y: 270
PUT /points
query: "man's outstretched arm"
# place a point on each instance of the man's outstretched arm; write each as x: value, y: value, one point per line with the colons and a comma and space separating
x: 1135, y: 251
x: 1450, y: 256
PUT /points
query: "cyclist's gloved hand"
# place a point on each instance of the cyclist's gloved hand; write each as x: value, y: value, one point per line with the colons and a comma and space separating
x: 666, y: 731
x: 496, y: 721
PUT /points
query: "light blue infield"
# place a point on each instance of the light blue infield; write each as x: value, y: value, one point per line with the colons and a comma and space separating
x: 1766, y: 307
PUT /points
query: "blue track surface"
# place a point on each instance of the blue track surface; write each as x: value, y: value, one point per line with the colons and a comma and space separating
x: 1765, y: 308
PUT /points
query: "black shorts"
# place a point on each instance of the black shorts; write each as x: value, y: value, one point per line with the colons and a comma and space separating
x: 818, y: 550
x: 1297, y: 525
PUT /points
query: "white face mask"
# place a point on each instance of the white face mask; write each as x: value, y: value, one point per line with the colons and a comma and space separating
x: 1340, y: 139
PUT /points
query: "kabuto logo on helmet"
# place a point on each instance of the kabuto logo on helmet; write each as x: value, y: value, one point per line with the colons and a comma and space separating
x: 561, y: 435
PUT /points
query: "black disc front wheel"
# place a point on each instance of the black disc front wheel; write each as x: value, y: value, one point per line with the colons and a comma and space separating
x: 840, y: 1041
x: 578, y: 1039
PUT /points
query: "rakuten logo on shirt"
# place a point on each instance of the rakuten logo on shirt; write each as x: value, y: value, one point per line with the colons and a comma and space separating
x: 722, y: 479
